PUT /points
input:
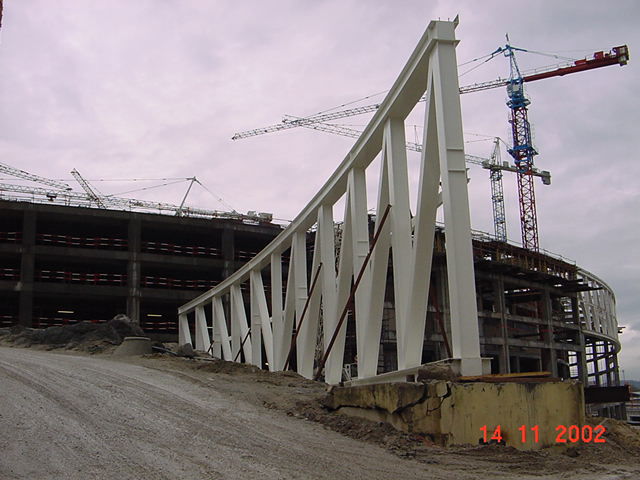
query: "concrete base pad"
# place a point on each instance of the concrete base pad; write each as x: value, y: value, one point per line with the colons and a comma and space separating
x: 456, y: 366
x: 133, y: 346
x: 460, y: 413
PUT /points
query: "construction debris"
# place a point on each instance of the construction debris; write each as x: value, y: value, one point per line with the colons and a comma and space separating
x: 186, y: 350
x: 83, y: 336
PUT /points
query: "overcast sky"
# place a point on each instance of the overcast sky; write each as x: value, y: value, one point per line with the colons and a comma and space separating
x: 156, y: 88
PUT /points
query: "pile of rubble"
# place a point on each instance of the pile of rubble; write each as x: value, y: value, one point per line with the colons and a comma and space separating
x: 83, y: 336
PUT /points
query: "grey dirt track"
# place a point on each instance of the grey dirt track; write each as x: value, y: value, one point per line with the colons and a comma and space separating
x: 78, y: 417
x: 72, y: 417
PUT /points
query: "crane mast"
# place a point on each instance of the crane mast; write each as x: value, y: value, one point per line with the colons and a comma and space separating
x: 522, y: 151
x: 497, y: 194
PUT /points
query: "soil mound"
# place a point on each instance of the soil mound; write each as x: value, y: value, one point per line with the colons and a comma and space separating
x: 84, y: 336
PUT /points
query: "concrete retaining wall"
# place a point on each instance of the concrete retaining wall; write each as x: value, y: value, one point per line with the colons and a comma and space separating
x: 455, y: 413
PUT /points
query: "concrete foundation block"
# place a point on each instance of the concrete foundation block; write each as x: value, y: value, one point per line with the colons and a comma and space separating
x: 454, y: 413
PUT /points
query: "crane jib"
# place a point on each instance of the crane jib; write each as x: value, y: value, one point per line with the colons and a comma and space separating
x: 618, y: 56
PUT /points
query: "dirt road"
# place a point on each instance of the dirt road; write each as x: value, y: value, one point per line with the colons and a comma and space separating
x: 79, y: 417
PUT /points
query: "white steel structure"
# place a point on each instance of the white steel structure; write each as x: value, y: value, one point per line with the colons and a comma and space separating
x: 431, y: 69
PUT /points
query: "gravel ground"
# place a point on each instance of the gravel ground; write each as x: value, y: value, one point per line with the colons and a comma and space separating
x: 78, y: 417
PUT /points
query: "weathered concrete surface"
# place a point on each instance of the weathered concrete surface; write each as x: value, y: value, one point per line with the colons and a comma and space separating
x: 454, y: 413
x: 394, y: 403
x: 512, y: 405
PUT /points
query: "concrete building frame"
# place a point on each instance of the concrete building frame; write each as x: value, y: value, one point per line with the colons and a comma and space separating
x: 60, y: 264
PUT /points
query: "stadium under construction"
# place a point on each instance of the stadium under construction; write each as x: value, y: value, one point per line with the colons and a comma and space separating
x: 60, y: 264
x: 67, y: 257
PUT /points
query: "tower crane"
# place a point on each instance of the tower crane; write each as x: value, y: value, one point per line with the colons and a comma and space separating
x: 91, y: 193
x: 522, y: 150
x: 617, y: 56
x: 16, y: 172
x: 64, y: 195
x: 497, y: 194
x: 80, y: 199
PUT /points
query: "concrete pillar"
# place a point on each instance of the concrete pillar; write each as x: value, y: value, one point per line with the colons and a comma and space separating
x: 27, y: 269
x: 228, y: 256
x: 594, y: 350
x: 516, y: 364
x: 501, y: 308
x: 133, y: 268
x: 580, y: 346
x: 228, y: 252
x: 616, y: 370
x: 549, y: 356
x: 607, y: 352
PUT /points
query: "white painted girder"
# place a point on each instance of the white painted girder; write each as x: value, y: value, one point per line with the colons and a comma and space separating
x: 202, y: 332
x: 429, y: 199
x: 460, y: 274
x: 220, y: 323
x: 260, y: 322
x: 394, y: 155
x: 375, y: 283
x: 239, y: 320
x: 432, y: 65
x: 283, y: 330
x: 359, y: 219
x: 301, y: 287
x: 335, y: 360
x: 277, y: 309
x: 184, y: 335
x: 216, y: 345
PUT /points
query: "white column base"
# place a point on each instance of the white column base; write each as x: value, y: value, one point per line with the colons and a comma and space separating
x: 470, y: 366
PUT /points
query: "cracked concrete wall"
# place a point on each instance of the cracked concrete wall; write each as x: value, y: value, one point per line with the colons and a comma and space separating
x: 454, y: 413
